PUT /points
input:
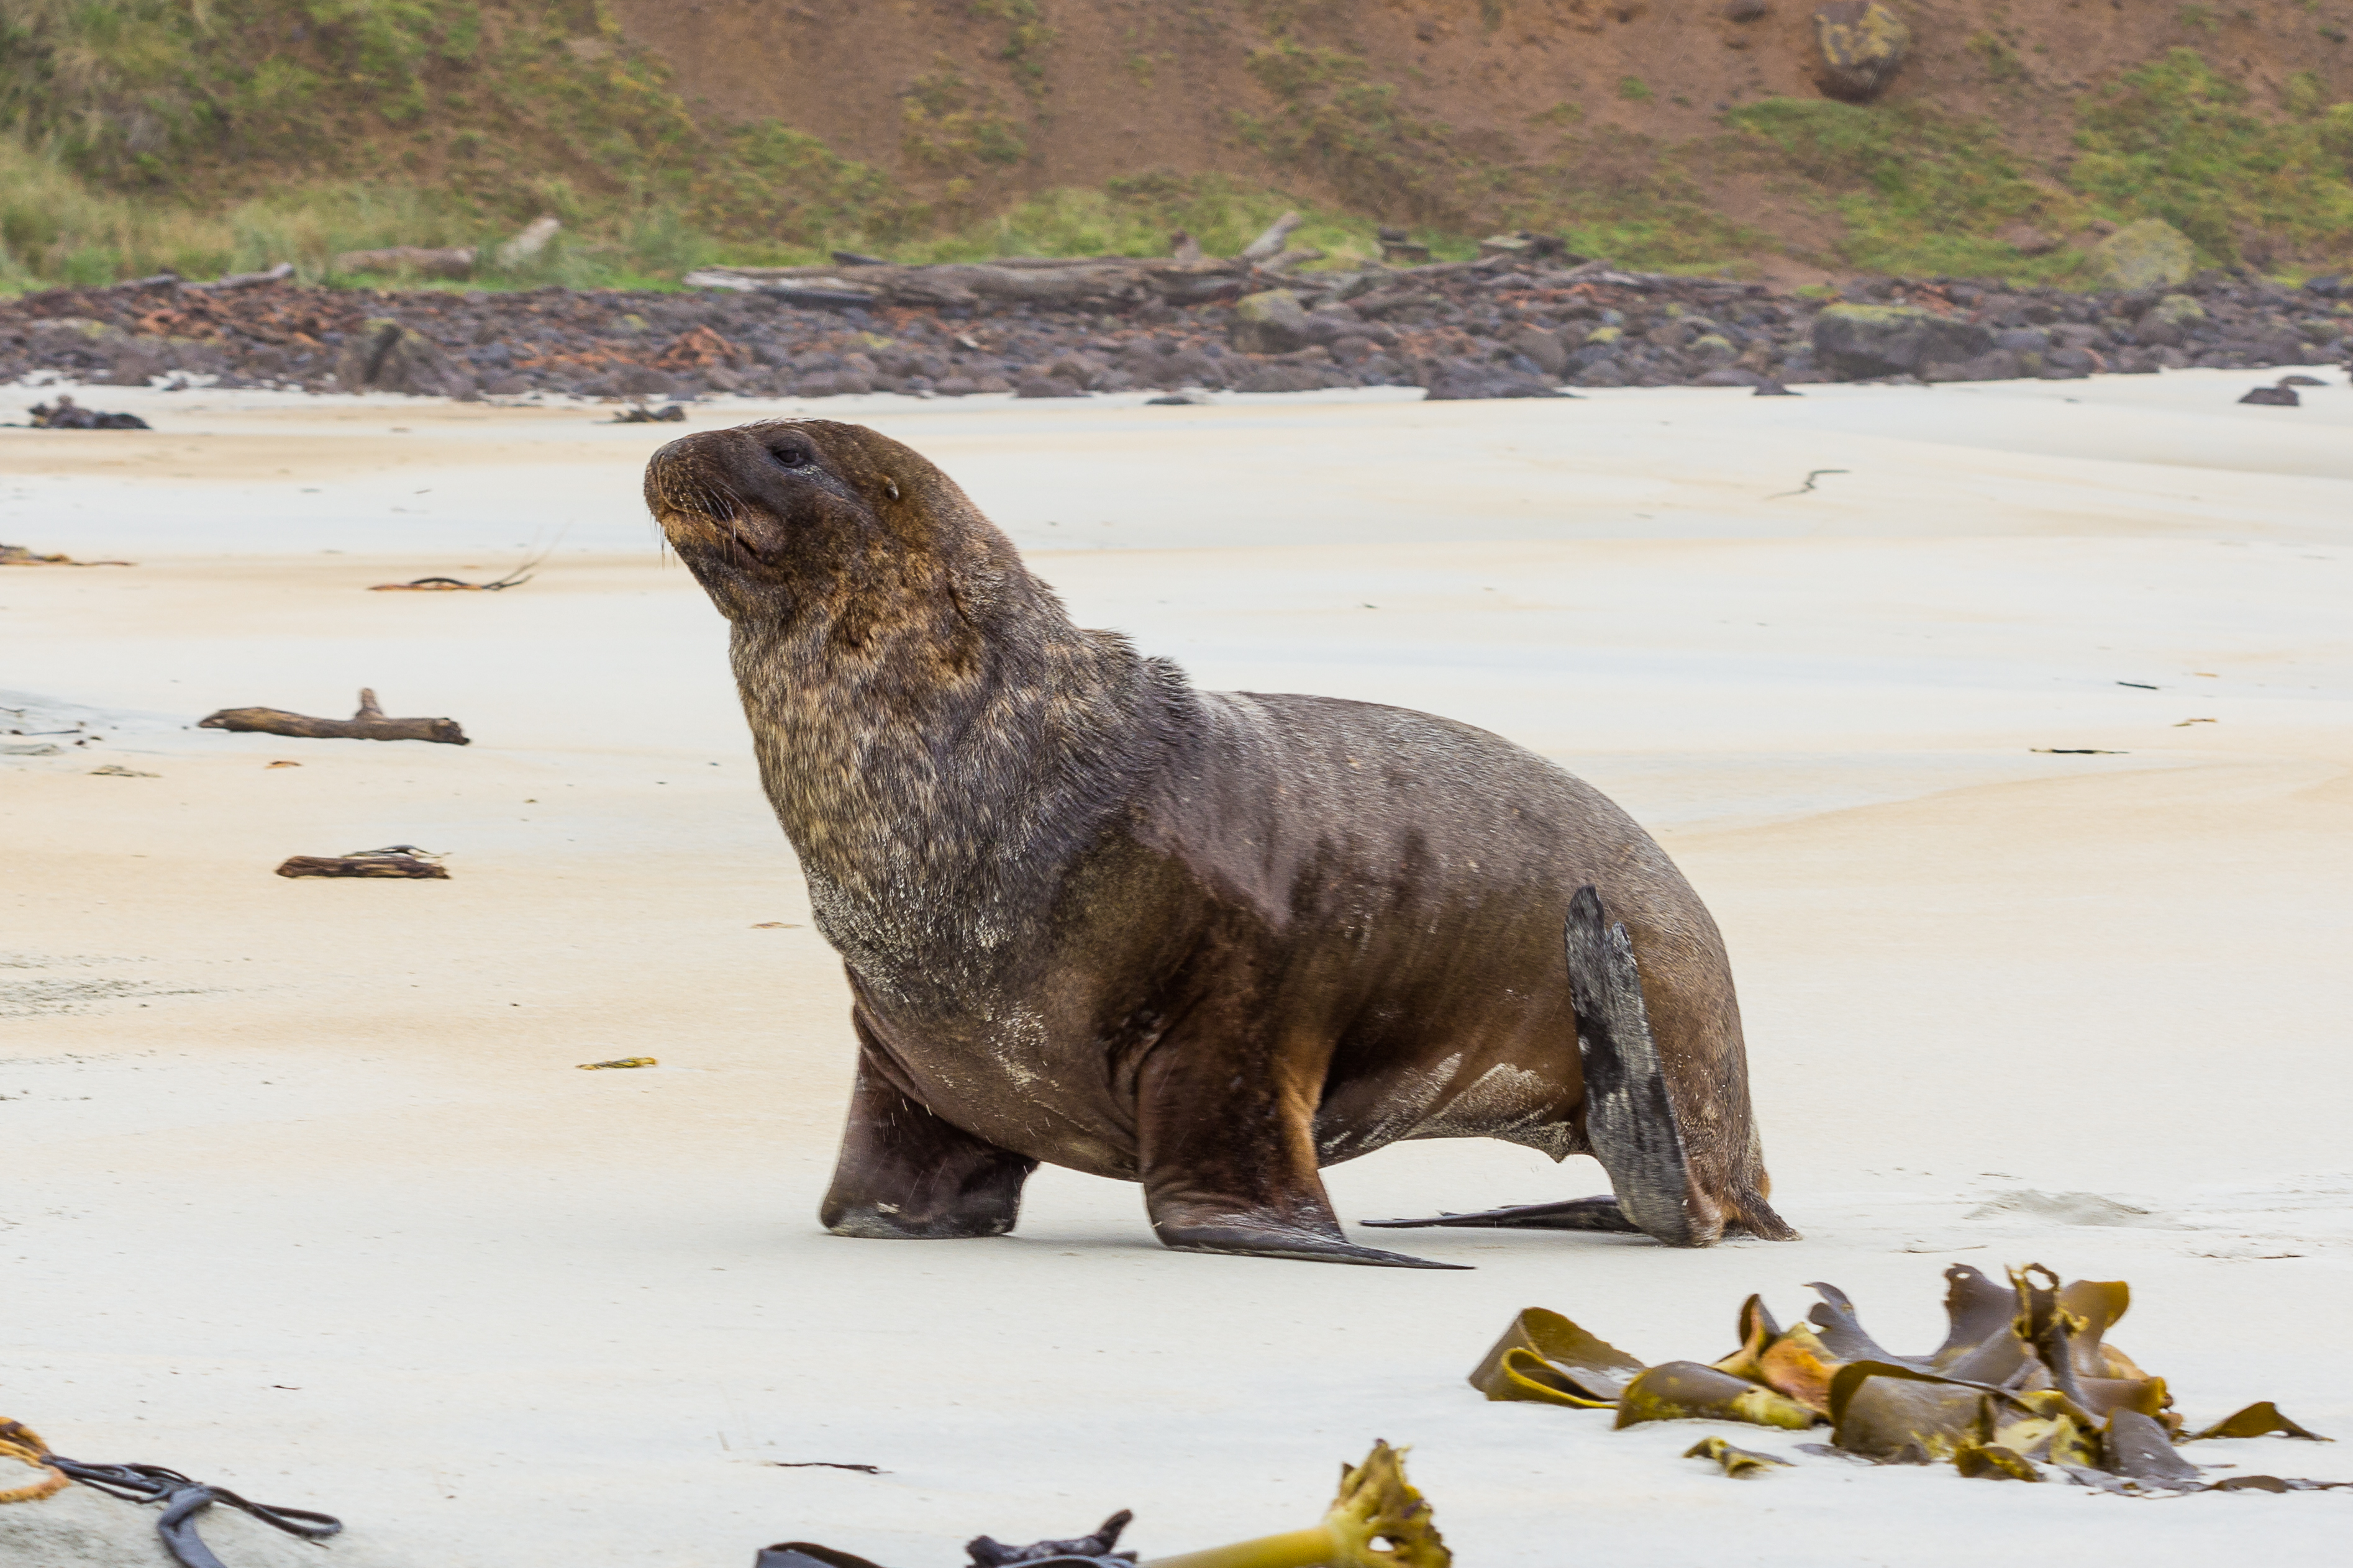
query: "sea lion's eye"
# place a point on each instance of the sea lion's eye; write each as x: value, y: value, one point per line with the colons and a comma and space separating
x: 793, y: 455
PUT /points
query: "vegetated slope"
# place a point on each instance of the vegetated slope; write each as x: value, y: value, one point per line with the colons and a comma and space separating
x: 1670, y: 131
x: 234, y: 132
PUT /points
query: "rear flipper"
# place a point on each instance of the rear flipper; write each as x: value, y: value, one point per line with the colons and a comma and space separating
x: 1629, y: 1114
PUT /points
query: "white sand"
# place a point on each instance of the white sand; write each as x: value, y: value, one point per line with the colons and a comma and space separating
x: 336, y: 1223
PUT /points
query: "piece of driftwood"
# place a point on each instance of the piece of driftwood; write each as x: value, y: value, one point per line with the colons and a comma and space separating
x: 452, y: 586
x: 280, y: 273
x: 368, y: 724
x: 17, y: 555
x: 1082, y: 282
x: 67, y: 414
x: 1271, y: 241
x: 392, y: 860
x: 453, y: 261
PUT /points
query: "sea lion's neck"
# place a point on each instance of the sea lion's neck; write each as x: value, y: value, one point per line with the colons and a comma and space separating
x: 939, y: 773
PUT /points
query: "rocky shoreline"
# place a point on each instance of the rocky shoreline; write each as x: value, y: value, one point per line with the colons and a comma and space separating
x: 1495, y: 328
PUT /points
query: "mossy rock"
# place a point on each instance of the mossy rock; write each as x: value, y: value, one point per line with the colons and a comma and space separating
x: 386, y: 356
x: 1855, y: 342
x: 2150, y: 254
x: 1271, y: 322
x: 1864, y: 44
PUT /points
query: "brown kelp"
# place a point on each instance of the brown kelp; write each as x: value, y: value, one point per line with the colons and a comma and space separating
x: 1377, y: 1521
x: 2024, y: 1387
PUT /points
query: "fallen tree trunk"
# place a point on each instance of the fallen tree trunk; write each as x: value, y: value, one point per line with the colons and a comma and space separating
x: 1075, y: 284
x: 368, y: 724
x: 455, y: 261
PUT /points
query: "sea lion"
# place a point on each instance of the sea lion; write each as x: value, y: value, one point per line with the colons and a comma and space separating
x: 1208, y: 942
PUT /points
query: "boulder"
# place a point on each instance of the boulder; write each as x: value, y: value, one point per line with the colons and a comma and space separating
x: 1863, y: 45
x: 1713, y: 348
x: 2150, y: 254
x: 1995, y: 364
x: 1544, y: 349
x: 1855, y: 342
x: 1271, y: 322
x: 384, y: 357
x: 1461, y: 380
x: 73, y: 333
x: 1279, y: 377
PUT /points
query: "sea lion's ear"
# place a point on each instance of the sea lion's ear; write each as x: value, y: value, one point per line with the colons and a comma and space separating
x: 890, y: 486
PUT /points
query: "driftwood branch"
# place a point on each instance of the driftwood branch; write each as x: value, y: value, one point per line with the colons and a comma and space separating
x: 1085, y: 282
x: 447, y: 261
x: 395, y: 860
x: 1271, y: 243
x: 368, y: 724
x: 278, y: 274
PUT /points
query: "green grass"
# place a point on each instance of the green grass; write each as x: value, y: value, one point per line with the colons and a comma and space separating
x: 1334, y: 122
x: 2176, y: 140
x: 1919, y: 193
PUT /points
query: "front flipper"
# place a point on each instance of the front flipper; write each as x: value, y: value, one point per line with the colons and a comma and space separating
x: 905, y: 1174
x: 1573, y: 1214
x: 1229, y: 1163
x: 1240, y: 1236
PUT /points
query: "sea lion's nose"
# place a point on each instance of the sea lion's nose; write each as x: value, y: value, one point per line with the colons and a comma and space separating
x: 686, y: 486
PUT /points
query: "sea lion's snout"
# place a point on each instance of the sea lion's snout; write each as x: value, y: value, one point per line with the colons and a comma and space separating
x: 757, y: 494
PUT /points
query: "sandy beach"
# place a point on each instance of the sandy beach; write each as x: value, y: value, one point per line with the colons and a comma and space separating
x: 2006, y: 727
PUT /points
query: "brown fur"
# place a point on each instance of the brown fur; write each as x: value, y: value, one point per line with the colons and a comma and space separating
x: 1092, y: 917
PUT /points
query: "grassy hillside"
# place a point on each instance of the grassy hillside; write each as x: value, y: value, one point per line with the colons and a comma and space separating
x: 212, y: 135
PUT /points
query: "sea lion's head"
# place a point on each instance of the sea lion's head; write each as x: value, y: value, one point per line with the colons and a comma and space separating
x: 788, y: 518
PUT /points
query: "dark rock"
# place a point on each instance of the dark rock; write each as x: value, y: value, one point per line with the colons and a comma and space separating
x: 1460, y: 381
x: 1035, y: 385
x: 1279, y: 376
x: 1544, y: 350
x: 1270, y: 322
x: 386, y: 356
x: 1773, y: 389
x: 1858, y: 342
x: 2274, y: 396
x: 644, y: 380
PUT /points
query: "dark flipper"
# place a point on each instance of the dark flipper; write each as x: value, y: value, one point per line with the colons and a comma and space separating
x: 1630, y: 1117
x: 1629, y: 1120
x: 1248, y: 1240
x: 1572, y: 1214
x: 1629, y: 1114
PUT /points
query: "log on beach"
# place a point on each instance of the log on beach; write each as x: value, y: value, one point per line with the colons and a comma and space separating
x: 368, y: 724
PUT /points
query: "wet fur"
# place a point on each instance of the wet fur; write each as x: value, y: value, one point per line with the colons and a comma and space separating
x: 1095, y: 918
